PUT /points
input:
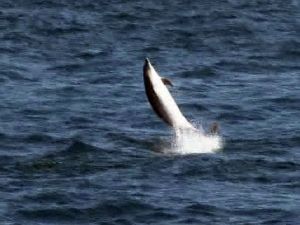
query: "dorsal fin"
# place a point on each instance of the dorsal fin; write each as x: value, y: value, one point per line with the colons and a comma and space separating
x: 166, y: 81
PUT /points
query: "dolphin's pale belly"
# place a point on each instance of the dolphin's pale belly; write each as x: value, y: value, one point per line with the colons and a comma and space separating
x: 170, y: 107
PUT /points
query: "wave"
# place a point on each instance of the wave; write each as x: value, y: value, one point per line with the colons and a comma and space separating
x: 105, y: 208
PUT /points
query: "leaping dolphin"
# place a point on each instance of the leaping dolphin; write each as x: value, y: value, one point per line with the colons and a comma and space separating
x: 162, y: 101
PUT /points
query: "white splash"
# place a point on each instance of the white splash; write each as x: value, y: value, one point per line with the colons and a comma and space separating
x: 194, y: 142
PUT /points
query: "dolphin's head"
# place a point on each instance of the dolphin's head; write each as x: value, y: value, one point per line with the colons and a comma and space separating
x: 147, y: 65
x: 147, y: 60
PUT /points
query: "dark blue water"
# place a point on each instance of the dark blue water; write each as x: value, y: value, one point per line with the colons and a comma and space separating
x: 79, y: 143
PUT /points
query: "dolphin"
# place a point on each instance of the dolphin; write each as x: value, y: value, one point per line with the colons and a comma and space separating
x: 163, y: 103
x: 161, y: 99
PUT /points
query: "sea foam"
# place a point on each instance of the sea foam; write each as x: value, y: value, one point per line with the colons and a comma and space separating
x: 194, y: 142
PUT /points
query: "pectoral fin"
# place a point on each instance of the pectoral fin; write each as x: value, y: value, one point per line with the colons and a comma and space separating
x: 166, y: 81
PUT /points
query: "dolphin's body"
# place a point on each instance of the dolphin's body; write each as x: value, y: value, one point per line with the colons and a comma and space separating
x: 161, y: 100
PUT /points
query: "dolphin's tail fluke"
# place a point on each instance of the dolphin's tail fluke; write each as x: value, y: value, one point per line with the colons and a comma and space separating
x: 214, y: 129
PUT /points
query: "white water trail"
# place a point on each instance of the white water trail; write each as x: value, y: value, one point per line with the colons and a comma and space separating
x: 190, y: 141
